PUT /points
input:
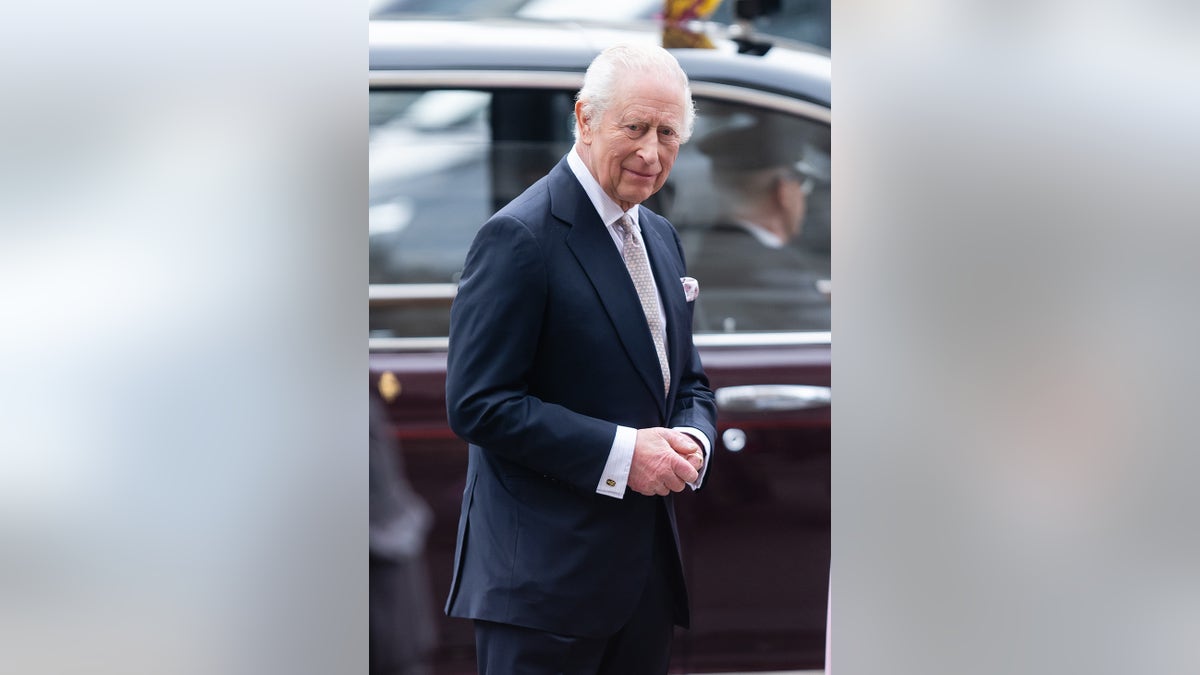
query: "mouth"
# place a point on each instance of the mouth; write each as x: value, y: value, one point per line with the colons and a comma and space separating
x: 639, y: 174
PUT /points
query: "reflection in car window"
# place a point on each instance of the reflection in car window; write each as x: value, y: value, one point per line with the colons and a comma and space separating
x: 749, y: 195
x: 428, y: 182
x: 761, y: 247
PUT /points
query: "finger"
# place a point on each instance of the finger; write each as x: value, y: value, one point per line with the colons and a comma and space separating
x: 696, y: 459
x: 685, y: 471
x: 673, y: 484
x: 681, y: 442
x: 662, y: 490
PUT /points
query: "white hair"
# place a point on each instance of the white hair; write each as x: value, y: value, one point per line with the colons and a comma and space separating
x: 615, y: 64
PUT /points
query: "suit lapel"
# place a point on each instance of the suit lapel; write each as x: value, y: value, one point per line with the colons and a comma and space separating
x: 593, y: 247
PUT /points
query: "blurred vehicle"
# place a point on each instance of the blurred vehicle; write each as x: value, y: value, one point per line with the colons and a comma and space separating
x: 801, y: 20
x: 464, y: 115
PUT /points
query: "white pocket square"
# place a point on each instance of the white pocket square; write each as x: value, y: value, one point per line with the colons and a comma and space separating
x: 691, y: 288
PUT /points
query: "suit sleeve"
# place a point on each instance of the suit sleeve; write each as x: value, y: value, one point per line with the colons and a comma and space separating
x: 495, y: 323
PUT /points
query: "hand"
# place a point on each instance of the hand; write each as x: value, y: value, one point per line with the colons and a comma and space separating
x: 659, y: 466
x: 688, y: 447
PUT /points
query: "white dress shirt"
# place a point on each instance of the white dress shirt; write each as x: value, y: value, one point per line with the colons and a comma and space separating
x: 620, y: 455
x: 763, y: 235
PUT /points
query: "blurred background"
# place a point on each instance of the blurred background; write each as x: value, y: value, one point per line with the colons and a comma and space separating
x: 802, y: 20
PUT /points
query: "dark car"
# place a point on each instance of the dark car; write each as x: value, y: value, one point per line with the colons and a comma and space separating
x: 464, y: 116
x: 804, y: 20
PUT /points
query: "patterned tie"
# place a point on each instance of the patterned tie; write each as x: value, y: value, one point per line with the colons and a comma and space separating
x: 639, y: 270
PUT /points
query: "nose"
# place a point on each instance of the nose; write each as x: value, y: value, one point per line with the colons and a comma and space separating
x: 647, y: 150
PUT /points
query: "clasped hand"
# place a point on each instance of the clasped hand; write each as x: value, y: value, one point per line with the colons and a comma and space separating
x: 664, y: 461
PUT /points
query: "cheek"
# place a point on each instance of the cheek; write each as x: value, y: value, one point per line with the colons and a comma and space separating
x: 666, y: 158
x: 619, y: 149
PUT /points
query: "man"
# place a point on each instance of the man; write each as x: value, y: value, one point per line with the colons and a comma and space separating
x: 572, y: 374
x: 756, y: 275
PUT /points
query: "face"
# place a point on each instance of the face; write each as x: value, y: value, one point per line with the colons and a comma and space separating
x: 793, y: 200
x: 631, y: 149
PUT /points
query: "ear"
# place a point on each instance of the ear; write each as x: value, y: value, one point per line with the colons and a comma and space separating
x: 585, y: 131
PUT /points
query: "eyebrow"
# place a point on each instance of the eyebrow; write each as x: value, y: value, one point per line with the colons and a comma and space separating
x: 673, y: 125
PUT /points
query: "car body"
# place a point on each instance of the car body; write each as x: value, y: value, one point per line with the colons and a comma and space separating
x: 804, y: 20
x: 465, y: 115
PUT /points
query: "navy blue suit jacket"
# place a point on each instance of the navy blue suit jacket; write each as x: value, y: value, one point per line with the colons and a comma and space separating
x: 549, y: 352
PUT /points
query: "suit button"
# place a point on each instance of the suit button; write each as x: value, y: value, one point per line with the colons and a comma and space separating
x: 610, y: 483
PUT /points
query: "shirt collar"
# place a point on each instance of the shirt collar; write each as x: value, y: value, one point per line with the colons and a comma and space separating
x: 608, y: 210
x: 764, y: 236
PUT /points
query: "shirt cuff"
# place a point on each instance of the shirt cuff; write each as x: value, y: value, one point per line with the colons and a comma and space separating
x: 620, y: 458
x: 703, y: 441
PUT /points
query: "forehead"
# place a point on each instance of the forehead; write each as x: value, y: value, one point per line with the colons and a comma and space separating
x: 648, y: 96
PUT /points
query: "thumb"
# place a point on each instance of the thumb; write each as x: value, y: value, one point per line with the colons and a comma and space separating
x: 681, y: 442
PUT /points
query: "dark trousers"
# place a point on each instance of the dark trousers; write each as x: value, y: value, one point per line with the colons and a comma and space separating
x: 641, y: 647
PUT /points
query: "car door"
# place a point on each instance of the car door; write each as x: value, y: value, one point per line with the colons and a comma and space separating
x: 756, y: 538
x: 444, y: 156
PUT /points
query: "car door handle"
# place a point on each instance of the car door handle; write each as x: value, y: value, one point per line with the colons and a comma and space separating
x: 771, y: 397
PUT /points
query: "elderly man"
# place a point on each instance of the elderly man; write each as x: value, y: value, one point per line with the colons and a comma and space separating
x: 759, y: 271
x: 573, y: 376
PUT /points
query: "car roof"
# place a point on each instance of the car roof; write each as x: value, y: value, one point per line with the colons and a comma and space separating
x: 789, y: 68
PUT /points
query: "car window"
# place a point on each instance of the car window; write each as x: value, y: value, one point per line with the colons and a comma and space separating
x: 751, y: 203
x: 749, y: 195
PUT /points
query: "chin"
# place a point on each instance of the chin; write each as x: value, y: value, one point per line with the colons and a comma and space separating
x: 637, y: 198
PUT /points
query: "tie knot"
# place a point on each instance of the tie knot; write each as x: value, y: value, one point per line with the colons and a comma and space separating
x: 625, y: 226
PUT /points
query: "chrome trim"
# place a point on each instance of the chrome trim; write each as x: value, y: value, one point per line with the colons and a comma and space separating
x: 443, y: 79
x: 772, y: 397
x: 408, y: 292
x: 762, y: 99
x: 432, y: 344
x: 796, y: 339
x: 408, y: 344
